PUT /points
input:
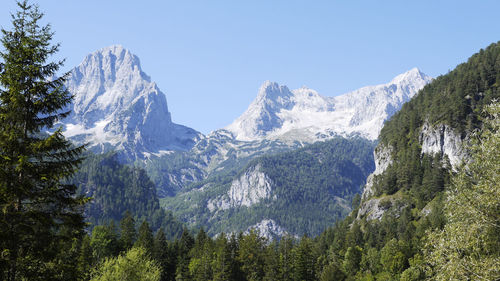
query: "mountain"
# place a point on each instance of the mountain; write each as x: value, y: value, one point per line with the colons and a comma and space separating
x: 219, y: 186
x: 117, y: 106
x: 296, y: 192
x: 279, y: 120
x: 420, y: 150
x: 278, y: 112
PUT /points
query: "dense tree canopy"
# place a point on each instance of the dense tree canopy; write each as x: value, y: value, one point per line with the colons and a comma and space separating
x: 119, y: 191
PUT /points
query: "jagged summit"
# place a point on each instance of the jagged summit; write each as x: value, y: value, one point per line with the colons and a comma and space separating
x: 105, y: 82
x: 117, y: 106
x: 278, y: 112
x: 413, y: 74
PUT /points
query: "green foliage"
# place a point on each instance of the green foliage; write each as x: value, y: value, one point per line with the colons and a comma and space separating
x: 40, y: 216
x: 128, y: 235
x: 469, y: 245
x: 162, y: 254
x: 223, y: 263
x: 135, y: 265
x: 304, y: 260
x: 118, y: 191
x: 332, y: 272
x: 312, y: 187
x: 251, y: 256
x: 352, y: 260
x: 104, y: 242
x: 85, y: 258
x: 391, y: 257
x: 145, y: 238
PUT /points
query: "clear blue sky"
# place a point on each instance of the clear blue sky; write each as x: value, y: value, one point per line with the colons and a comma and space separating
x: 210, y: 57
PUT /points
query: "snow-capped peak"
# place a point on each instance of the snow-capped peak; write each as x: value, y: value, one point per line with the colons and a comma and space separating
x: 272, y: 91
x: 304, y: 114
x: 411, y: 75
x: 116, y: 105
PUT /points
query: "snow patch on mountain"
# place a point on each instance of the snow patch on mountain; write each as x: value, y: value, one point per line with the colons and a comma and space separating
x: 116, y: 105
x: 280, y: 112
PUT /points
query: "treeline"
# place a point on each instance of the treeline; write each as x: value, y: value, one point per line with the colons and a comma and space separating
x: 335, y: 255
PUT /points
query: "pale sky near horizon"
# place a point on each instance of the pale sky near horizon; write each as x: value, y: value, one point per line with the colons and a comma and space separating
x: 210, y: 57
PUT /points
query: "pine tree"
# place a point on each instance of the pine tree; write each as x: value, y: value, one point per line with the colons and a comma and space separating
x: 222, y: 261
x: 304, y: 261
x: 128, y: 234
x: 184, y: 246
x: 286, y: 257
x: 145, y: 238
x: 201, y: 257
x: 38, y: 209
x: 161, y: 255
x: 104, y: 242
x: 85, y: 259
x: 251, y: 255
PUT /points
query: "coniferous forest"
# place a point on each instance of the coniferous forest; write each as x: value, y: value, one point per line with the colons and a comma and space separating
x: 67, y: 214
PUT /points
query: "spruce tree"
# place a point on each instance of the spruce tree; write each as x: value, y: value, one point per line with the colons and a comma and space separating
x: 162, y: 255
x: 39, y: 211
x: 145, y: 238
x: 128, y: 235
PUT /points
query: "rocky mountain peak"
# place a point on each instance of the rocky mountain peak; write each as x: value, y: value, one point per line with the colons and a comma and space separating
x: 117, y: 106
x: 303, y: 114
x: 411, y: 75
x: 272, y: 91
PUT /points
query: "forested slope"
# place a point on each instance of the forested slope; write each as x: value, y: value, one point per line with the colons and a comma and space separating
x: 297, y: 192
x: 405, y: 198
x: 115, y: 188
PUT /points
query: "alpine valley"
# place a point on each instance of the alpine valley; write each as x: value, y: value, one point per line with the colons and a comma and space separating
x: 290, y: 164
x: 393, y: 182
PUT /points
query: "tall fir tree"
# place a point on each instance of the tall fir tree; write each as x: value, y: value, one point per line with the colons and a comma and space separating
x: 39, y: 211
x: 128, y: 235
x: 145, y: 238
x: 162, y: 256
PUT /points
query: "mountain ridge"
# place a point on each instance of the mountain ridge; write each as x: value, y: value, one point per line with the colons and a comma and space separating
x: 277, y: 110
x: 118, y: 107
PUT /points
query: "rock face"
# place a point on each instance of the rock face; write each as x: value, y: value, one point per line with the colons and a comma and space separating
x: 268, y: 228
x: 371, y: 209
x: 438, y: 139
x: 303, y: 114
x: 249, y: 189
x: 442, y: 140
x: 382, y: 156
x: 116, y: 105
